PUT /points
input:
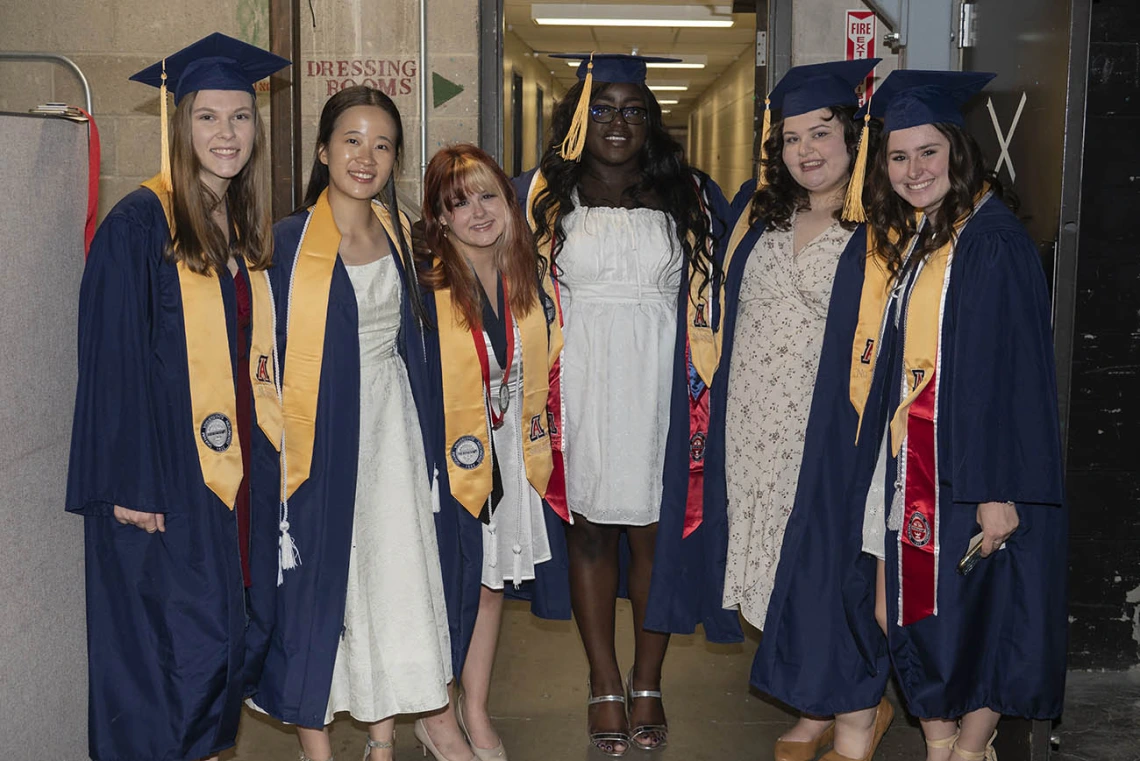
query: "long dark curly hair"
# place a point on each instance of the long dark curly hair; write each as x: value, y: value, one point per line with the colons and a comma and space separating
x: 782, y: 197
x: 664, y: 174
x: 887, y: 211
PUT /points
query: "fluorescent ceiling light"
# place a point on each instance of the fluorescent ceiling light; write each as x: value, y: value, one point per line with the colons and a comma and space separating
x: 668, y: 88
x: 686, y: 62
x: 668, y: 102
x: 581, y: 14
x: 666, y: 111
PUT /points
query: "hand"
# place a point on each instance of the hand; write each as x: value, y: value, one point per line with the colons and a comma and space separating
x: 998, y: 521
x: 148, y: 522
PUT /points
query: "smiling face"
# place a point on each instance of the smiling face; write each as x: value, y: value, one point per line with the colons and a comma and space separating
x: 815, y: 151
x: 477, y: 219
x: 223, y: 125
x: 617, y: 142
x: 918, y: 162
x: 361, y: 152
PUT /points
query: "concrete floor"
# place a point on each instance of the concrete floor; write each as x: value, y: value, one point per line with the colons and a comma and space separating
x: 539, y: 694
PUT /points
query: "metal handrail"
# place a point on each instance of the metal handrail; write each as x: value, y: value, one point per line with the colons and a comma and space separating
x: 53, y: 58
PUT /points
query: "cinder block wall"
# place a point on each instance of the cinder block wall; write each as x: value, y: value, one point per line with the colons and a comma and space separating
x: 373, y: 43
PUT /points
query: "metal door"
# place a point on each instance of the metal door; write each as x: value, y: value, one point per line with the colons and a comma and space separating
x: 1030, y: 125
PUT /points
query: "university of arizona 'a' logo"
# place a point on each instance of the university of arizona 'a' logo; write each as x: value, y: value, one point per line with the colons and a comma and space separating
x: 263, y: 369
x: 868, y: 352
x: 550, y: 423
x: 536, y: 431
x: 699, y: 319
x: 918, y: 374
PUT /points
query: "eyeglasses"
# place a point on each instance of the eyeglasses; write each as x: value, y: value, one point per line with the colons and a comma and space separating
x: 629, y: 114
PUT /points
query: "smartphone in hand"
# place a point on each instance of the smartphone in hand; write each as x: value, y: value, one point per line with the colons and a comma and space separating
x: 972, y: 556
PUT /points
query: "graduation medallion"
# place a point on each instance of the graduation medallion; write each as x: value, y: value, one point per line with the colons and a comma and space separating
x: 504, y: 397
x: 217, y: 432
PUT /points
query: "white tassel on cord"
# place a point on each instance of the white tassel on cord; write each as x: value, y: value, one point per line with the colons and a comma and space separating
x: 517, y: 549
x: 493, y: 549
x: 435, y: 503
x: 288, y: 557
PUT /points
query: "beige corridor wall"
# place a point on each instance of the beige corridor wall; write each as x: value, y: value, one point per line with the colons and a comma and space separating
x: 519, y: 58
x: 720, y: 125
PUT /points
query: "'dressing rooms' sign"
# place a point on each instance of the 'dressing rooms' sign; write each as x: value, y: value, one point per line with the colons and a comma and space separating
x: 394, y: 76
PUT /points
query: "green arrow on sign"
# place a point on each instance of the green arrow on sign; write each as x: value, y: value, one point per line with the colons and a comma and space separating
x: 443, y: 90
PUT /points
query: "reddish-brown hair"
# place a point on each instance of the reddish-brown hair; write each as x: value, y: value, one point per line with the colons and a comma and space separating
x: 456, y: 172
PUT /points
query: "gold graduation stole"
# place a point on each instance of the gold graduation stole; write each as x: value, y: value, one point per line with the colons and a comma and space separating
x: 921, y: 324
x: 212, y: 401
x: 465, y: 407
x: 307, y: 311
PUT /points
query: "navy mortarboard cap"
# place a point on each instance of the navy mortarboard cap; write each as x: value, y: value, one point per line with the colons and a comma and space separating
x: 215, y: 62
x: 604, y: 67
x: 911, y: 98
x: 614, y: 67
x: 820, y: 85
x: 806, y: 88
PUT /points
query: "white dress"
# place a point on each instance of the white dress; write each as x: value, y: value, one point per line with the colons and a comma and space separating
x: 620, y: 275
x: 515, y: 541
x: 394, y: 655
x: 779, y: 333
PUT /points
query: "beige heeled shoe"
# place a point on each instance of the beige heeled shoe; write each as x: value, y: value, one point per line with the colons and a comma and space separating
x: 985, y: 754
x: 419, y: 729
x: 498, y: 753
x: 800, y: 750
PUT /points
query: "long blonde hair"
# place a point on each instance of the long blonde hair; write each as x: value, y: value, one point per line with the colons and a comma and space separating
x: 196, y: 239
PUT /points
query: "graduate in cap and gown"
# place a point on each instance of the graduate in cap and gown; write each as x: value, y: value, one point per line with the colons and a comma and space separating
x: 173, y: 459
x: 778, y: 269
x: 934, y: 429
x: 627, y: 231
x: 489, y: 357
x: 361, y: 625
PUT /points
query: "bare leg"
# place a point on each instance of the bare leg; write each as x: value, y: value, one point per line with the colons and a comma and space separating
x: 807, y: 729
x: 650, y: 647
x: 977, y: 729
x: 593, y: 555
x: 444, y: 732
x: 476, y: 677
x: 854, y: 732
x: 382, y: 731
x: 938, y: 731
x: 315, y: 743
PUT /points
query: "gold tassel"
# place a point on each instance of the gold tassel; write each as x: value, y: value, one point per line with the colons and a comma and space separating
x: 761, y: 180
x: 575, y: 141
x: 853, y: 210
x: 164, y: 172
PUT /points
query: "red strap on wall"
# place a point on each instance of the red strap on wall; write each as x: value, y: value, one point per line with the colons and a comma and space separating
x: 92, y: 181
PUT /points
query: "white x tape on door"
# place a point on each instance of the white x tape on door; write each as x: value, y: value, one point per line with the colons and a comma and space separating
x: 1005, y: 140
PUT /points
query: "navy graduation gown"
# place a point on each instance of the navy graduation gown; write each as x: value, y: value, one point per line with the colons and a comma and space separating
x: 297, y: 675
x: 460, y: 534
x: 999, y: 638
x: 684, y: 569
x: 169, y: 654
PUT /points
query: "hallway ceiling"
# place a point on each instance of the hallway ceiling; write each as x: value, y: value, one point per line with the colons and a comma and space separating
x: 720, y: 47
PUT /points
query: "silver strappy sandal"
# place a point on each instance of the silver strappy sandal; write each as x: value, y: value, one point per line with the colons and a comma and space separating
x: 653, y: 732
x: 605, y: 741
x: 369, y: 744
